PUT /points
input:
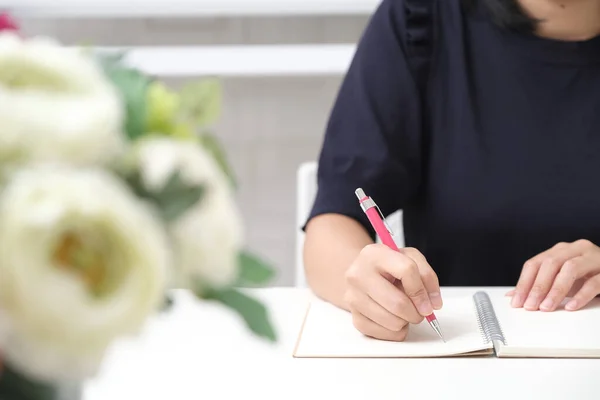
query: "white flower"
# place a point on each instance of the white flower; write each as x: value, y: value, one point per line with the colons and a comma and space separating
x: 207, y: 239
x: 55, y: 105
x: 83, y: 263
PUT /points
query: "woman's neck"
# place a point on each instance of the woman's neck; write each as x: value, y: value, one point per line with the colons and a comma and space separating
x: 570, y: 20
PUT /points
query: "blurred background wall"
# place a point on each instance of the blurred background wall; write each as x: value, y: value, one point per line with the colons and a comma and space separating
x: 269, y: 124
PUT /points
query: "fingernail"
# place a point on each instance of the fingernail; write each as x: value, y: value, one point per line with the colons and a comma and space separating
x: 571, y: 305
x: 425, y: 308
x: 547, y: 304
x: 517, y: 300
x: 436, y: 300
x: 531, y: 301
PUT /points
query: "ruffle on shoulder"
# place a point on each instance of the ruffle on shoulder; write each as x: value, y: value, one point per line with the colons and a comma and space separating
x: 419, y: 22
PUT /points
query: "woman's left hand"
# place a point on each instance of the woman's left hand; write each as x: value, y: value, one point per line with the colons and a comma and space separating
x: 565, y: 270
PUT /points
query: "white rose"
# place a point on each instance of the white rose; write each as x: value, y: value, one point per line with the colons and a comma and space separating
x: 56, y: 104
x: 207, y: 239
x: 83, y: 262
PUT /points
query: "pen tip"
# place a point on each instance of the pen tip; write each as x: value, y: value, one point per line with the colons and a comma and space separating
x: 360, y: 193
x: 436, y: 327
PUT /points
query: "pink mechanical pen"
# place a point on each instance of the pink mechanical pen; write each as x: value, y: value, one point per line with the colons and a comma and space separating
x: 385, y: 233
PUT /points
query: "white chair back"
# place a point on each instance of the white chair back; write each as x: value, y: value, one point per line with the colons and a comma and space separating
x: 305, y: 197
x: 306, y: 186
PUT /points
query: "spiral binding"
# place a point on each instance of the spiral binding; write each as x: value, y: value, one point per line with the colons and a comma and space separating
x: 488, y: 323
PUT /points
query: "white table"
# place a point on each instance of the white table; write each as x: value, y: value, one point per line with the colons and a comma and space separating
x: 200, y: 351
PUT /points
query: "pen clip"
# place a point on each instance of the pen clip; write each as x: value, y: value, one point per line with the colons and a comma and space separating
x: 384, y: 220
x: 382, y: 217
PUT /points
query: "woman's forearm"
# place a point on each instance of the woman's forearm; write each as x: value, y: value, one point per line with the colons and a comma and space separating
x: 331, y: 245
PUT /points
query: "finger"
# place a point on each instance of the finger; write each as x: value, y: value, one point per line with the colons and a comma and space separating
x: 589, y: 290
x: 548, y: 271
x: 392, y: 299
x: 370, y: 281
x: 361, y: 303
x: 576, y: 287
x: 572, y: 270
x: 510, y: 293
x: 543, y: 282
x: 529, y: 273
x: 403, y: 268
x: 376, y: 331
x: 543, y: 255
x: 428, y: 276
x: 370, y: 255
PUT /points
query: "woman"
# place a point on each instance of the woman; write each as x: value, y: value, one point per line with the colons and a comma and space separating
x: 481, y: 121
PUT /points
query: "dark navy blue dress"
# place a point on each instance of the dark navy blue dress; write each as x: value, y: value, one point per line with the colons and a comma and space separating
x: 488, y: 139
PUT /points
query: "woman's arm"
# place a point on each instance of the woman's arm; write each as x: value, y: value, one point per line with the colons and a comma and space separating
x: 333, y: 241
x: 373, y: 141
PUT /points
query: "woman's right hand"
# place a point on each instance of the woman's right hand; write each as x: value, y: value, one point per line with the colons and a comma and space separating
x: 387, y: 290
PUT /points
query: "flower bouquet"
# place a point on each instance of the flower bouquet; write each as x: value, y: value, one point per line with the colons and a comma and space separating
x: 112, y: 193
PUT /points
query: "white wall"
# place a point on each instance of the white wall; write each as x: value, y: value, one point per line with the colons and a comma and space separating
x: 269, y: 126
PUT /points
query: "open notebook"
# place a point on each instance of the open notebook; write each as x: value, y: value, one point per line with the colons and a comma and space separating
x: 472, y: 326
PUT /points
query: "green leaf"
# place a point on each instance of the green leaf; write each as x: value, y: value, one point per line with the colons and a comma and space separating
x: 253, y: 312
x: 253, y: 271
x: 14, y: 385
x: 201, y: 102
x: 214, y: 147
x: 132, y: 85
x: 161, y: 105
x: 177, y: 197
x: 173, y: 200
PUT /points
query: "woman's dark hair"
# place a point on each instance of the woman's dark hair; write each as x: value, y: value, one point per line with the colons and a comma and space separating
x: 505, y: 13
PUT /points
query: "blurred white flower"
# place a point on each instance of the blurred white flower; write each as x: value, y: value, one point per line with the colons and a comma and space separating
x: 207, y: 239
x: 83, y: 262
x: 55, y: 105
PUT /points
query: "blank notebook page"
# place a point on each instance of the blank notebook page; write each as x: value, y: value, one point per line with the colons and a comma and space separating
x: 329, y: 332
x: 558, y: 333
